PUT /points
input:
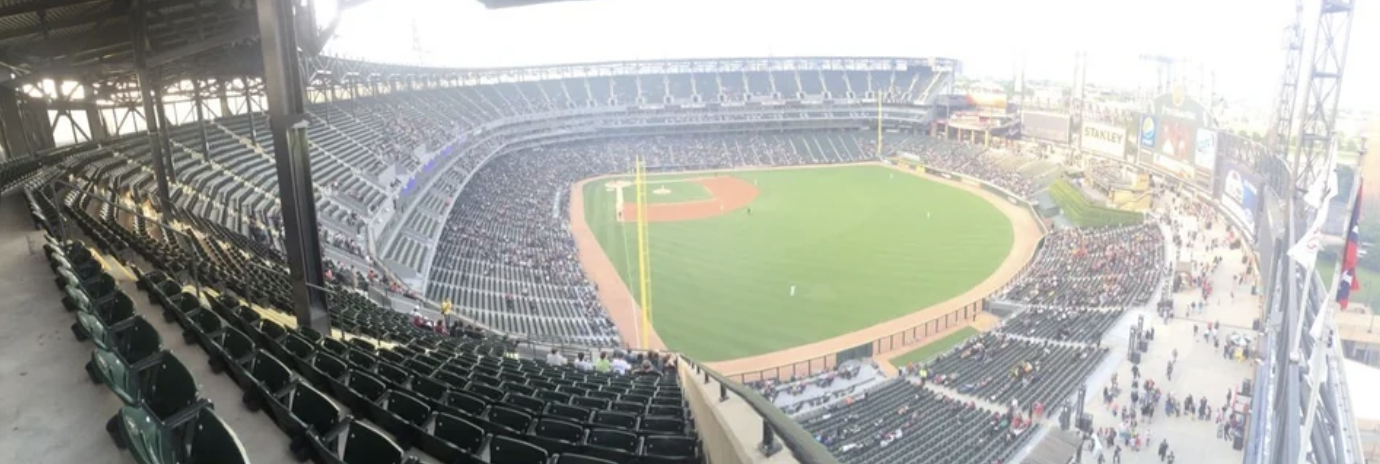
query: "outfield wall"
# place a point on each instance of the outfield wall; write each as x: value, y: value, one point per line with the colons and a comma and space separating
x: 915, y: 334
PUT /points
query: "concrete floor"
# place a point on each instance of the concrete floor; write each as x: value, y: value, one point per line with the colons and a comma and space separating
x: 49, y: 410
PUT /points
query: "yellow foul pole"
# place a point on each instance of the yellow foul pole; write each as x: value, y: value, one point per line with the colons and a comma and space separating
x: 644, y: 265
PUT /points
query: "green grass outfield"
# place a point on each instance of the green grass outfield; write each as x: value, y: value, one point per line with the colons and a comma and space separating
x: 854, y: 240
x: 935, y: 348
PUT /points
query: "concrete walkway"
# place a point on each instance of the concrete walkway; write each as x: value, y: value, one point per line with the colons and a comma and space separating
x: 1200, y: 371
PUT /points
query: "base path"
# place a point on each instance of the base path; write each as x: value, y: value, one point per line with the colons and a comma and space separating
x: 730, y: 193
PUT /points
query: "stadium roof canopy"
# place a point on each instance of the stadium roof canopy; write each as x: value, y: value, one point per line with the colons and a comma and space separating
x: 94, y: 39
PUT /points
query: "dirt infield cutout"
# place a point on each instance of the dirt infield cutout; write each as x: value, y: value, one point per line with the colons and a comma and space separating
x: 729, y: 193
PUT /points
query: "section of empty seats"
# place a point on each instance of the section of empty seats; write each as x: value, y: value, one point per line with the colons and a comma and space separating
x: 901, y: 422
x: 1008, y: 370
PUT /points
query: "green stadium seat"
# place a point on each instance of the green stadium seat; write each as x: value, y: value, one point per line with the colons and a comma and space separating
x: 358, y: 390
x: 556, y: 436
x: 660, y: 449
x: 617, y: 420
x: 231, y: 349
x: 131, y: 340
x: 662, y: 425
x: 506, y: 421
x: 505, y: 450
x: 304, y: 412
x: 453, y: 440
x: 614, y: 445
x: 200, y: 438
x: 159, y: 384
x: 355, y: 442
x: 97, y: 317
x: 465, y: 402
x: 580, y: 459
x: 268, y: 380
x: 402, y: 415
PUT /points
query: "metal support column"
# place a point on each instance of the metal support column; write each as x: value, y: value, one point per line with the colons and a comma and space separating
x: 164, y: 136
x: 287, y: 118
x: 16, y: 144
x: 94, y: 123
x: 148, y: 80
x: 198, y: 101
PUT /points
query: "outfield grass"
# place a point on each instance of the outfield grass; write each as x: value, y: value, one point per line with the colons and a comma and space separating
x: 856, y: 241
x: 681, y: 191
x: 935, y: 348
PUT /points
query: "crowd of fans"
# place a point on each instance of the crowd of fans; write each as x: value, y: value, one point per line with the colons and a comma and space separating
x: 969, y: 160
x: 1094, y: 267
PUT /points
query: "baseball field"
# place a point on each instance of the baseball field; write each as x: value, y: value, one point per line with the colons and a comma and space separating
x: 752, y: 262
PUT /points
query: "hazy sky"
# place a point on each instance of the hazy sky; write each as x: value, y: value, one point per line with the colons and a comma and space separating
x: 1239, y: 40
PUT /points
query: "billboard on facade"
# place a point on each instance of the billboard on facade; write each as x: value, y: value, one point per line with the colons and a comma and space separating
x: 1148, y: 127
x: 1238, y: 191
x: 1053, y: 127
x: 1106, y: 139
x: 1205, y: 151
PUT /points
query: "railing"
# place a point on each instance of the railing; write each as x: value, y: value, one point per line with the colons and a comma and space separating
x: 775, y: 423
x: 900, y: 339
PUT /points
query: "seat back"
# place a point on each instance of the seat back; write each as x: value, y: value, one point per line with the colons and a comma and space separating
x: 614, y: 439
x: 486, y: 392
x: 330, y: 366
x: 168, y: 387
x: 504, y: 450
x: 235, y: 343
x: 559, y: 430
x: 209, y: 440
x: 575, y: 413
x: 270, y: 372
x: 525, y: 403
x: 616, y: 420
x: 674, y: 447
x: 452, y: 379
x: 366, y: 385
x: 666, y: 411
x: 459, y: 432
x: 361, y: 359
x: 313, y: 408
x: 623, y: 406
x: 591, y: 403
x: 298, y: 347
x: 205, y: 322
x: 115, y: 310
x: 408, y: 407
x: 511, y: 419
x: 554, y: 397
x: 135, y: 340
x: 393, y: 374
x: 466, y: 402
x: 146, y: 438
x: 335, y: 347
x: 365, y: 444
x: 663, y: 425
x: 569, y: 458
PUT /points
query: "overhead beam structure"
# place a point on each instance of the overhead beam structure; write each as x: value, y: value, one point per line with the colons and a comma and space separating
x: 287, y: 119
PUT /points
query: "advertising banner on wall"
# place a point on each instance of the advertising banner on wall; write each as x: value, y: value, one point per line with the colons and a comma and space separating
x: 1148, y: 127
x: 1105, y: 139
x: 1238, y: 191
x: 1053, y: 127
x: 1205, y: 152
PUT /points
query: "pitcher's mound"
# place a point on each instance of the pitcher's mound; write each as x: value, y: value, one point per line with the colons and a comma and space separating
x: 662, y: 191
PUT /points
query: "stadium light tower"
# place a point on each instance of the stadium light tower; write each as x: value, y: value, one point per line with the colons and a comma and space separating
x: 1278, y: 139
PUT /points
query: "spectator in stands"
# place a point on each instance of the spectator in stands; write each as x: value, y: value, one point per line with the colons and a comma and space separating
x: 603, y: 364
x: 582, y: 362
x: 619, y: 365
x: 555, y: 358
